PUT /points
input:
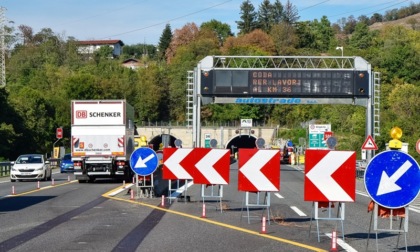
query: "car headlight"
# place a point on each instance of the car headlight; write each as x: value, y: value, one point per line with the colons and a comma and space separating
x: 39, y: 169
x: 13, y: 169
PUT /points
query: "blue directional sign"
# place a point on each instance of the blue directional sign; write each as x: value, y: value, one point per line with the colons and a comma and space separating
x: 144, y: 161
x: 392, y: 179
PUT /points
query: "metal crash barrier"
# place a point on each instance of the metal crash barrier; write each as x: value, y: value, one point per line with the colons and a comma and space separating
x: 5, y: 168
x: 54, y: 162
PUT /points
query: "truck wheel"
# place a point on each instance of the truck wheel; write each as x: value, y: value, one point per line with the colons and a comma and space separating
x: 82, y: 181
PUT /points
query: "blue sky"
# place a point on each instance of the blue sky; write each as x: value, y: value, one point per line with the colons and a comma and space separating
x: 142, y: 21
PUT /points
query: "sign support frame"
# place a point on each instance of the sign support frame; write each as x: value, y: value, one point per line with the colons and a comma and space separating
x: 340, y: 216
x: 265, y: 204
x: 403, y: 227
x: 213, y: 193
x: 147, y: 187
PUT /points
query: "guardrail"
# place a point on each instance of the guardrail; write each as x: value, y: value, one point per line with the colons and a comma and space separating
x: 54, y: 162
x: 5, y: 168
x: 360, y: 168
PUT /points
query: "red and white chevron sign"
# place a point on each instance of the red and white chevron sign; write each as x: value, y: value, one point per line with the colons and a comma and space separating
x: 330, y: 176
x: 259, y: 170
x: 202, y: 165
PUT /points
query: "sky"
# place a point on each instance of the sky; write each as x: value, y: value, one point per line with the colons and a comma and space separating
x: 142, y: 21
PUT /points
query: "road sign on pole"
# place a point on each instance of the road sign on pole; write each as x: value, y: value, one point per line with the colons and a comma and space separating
x: 317, y: 135
x: 59, y: 133
x: 392, y: 179
x: 144, y: 161
x: 369, y: 144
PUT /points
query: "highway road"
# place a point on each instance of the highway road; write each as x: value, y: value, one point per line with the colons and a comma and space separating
x: 102, y: 216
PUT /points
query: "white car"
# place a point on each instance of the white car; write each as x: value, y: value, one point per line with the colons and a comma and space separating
x: 30, y: 166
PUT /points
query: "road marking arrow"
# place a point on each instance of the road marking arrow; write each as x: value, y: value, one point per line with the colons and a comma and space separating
x: 206, y: 166
x: 172, y: 163
x: 320, y: 175
x: 387, y: 184
x: 141, y: 163
x: 252, y: 170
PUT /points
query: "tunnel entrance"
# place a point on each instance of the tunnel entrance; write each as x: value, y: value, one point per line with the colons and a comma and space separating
x: 241, y: 141
x: 165, y: 139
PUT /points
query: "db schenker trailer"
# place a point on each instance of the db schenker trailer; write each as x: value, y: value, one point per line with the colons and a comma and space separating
x: 102, y: 133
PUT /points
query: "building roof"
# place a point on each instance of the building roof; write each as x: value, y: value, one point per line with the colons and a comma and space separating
x: 130, y: 60
x: 100, y: 42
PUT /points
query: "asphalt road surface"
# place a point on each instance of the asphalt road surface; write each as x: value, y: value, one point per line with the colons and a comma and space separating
x: 105, y: 216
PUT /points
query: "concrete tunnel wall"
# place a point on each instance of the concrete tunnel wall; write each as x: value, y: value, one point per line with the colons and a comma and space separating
x: 235, y: 143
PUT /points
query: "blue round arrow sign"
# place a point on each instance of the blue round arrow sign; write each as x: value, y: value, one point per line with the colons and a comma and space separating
x: 392, y: 179
x: 144, y: 161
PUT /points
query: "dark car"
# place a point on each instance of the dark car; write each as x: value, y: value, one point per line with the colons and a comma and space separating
x: 66, y: 165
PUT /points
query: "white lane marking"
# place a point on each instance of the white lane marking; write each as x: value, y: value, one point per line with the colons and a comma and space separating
x: 278, y: 195
x: 120, y: 190
x: 180, y: 190
x: 298, y: 211
x: 343, y: 244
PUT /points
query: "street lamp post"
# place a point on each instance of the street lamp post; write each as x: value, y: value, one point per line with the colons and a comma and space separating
x: 342, y: 54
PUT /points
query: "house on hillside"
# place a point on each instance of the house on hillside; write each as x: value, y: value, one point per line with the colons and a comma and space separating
x: 88, y: 47
x: 131, y: 63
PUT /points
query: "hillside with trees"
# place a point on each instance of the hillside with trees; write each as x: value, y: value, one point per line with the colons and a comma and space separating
x: 44, y: 72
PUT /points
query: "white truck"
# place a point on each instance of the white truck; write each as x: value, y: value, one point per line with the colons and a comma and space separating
x: 102, y: 133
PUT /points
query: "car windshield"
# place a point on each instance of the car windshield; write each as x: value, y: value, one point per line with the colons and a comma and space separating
x: 33, y: 159
x: 67, y: 157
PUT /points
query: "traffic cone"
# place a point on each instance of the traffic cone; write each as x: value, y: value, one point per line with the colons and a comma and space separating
x: 52, y: 182
x: 263, y: 230
x: 13, y: 190
x: 162, y: 204
x: 203, y: 212
x: 37, y: 187
x: 334, y: 241
x: 132, y: 194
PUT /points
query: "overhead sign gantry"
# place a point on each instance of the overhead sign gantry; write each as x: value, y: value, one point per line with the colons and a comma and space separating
x: 287, y: 80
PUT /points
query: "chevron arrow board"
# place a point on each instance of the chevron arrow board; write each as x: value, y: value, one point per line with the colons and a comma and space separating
x: 330, y: 176
x: 259, y: 170
x: 202, y: 165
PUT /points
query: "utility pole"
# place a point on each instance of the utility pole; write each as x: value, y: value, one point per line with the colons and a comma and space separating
x: 2, y: 48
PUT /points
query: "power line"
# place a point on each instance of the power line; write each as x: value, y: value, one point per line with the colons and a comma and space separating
x: 167, y: 21
x: 370, y: 7
x: 314, y: 5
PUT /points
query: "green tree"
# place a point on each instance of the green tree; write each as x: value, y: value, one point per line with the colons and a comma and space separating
x: 265, y: 17
x: 361, y: 37
x: 325, y: 34
x: 285, y: 39
x: 222, y: 30
x: 150, y: 92
x: 398, y: 53
x: 277, y: 12
x: 164, y: 41
x: 248, y: 18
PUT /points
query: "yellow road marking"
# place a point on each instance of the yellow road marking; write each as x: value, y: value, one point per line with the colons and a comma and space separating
x: 297, y: 244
